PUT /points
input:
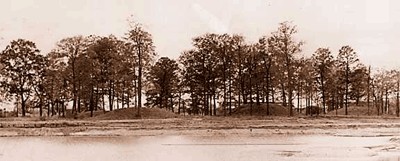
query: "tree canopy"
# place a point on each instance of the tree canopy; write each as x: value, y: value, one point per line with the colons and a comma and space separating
x: 219, y: 73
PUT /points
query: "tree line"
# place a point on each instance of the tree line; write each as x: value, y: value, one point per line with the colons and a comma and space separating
x: 81, y: 69
x: 219, y: 73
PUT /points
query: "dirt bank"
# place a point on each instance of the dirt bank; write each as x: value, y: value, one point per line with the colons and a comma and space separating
x: 200, y: 126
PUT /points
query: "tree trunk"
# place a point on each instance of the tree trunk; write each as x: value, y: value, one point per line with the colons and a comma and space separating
x: 368, y: 88
x: 179, y: 102
x: 53, y: 112
x: 267, y: 92
x: 210, y: 103
x: 257, y: 94
x: 74, y: 98
x: 103, y: 101
x: 118, y: 99
x: 290, y: 101
x: 251, y: 88
x: 63, y: 108
x: 272, y: 94
x: 382, y: 103
x: 397, y: 100
x: 307, y: 103
x: 123, y: 97
x: 172, y: 105
x: 283, y: 94
x: 91, y: 102
x: 215, y: 105
x: 377, y: 103
x: 230, y: 96
x: 79, y: 104
x: 239, y: 78
x: 48, y: 109
x: 23, y: 106
x: 96, y: 102
x: 386, y: 102
x: 224, y: 90
x: 135, y: 94
x: 139, y: 82
x: 323, y: 93
x: 298, y: 101
x: 110, y: 97
x: 243, y: 91
x: 58, y: 108
x: 40, y: 107
x: 347, y: 88
x: 337, y: 101
x: 127, y: 99
x: 333, y: 100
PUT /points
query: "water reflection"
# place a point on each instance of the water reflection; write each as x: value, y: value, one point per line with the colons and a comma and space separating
x: 391, y: 159
x: 177, y: 148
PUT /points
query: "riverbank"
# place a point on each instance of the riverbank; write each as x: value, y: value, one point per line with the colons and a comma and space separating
x: 203, y: 126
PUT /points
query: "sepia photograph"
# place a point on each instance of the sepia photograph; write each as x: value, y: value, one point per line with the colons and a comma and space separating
x: 199, y: 80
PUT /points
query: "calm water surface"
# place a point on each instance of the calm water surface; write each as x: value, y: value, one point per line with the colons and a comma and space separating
x: 185, y: 148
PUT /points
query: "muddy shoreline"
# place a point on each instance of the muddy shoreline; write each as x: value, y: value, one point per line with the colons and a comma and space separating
x: 222, y: 138
x: 203, y: 126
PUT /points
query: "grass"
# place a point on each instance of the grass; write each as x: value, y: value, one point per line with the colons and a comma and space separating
x: 131, y: 113
x: 261, y: 110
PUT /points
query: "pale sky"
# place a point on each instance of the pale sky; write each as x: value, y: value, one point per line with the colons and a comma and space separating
x: 369, y: 26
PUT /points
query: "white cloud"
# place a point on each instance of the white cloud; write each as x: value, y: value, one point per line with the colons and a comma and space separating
x: 214, y: 23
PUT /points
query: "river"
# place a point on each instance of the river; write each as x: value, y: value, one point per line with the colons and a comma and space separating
x: 196, y: 148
